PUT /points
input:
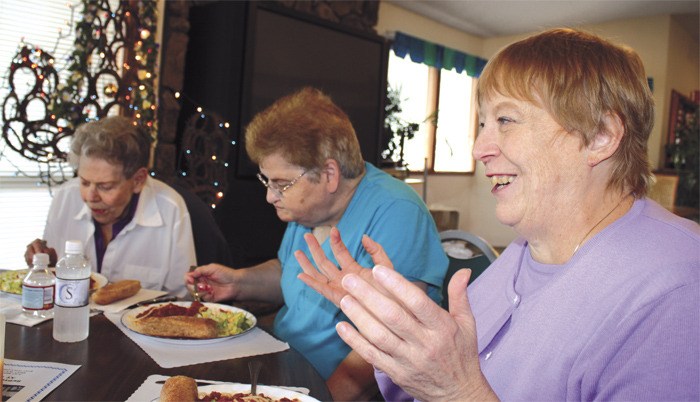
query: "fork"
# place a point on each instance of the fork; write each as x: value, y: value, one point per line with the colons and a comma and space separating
x: 195, y: 292
x: 254, y: 368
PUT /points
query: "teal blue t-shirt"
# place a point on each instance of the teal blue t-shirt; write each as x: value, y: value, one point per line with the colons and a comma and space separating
x: 391, y: 213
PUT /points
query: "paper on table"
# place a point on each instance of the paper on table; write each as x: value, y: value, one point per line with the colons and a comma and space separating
x: 11, y: 307
x: 143, y: 294
x: 32, y: 381
x: 150, y: 389
x: 255, y: 342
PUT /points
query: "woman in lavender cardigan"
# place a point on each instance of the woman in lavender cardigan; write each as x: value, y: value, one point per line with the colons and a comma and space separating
x: 596, y: 300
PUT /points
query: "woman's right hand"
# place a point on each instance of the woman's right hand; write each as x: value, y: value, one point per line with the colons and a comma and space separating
x: 39, y: 246
x: 215, y: 282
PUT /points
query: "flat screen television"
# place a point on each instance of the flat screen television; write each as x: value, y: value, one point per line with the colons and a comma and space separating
x: 287, y: 50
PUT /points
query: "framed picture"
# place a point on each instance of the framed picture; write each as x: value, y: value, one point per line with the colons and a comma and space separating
x: 682, y: 154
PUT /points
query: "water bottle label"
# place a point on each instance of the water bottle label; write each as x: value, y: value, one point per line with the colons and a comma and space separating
x: 72, y: 292
x: 37, y: 297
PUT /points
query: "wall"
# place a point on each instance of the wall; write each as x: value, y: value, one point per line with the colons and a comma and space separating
x: 469, y: 194
x: 670, y: 56
x: 684, y: 56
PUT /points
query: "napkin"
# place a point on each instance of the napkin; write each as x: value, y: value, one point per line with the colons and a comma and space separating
x: 120, y: 305
x: 11, y: 307
x: 150, y: 390
x: 165, y: 354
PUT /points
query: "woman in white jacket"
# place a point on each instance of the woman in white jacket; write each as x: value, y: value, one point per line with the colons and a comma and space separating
x: 132, y: 225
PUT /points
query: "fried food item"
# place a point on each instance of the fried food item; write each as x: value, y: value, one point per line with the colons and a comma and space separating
x: 179, y: 389
x: 176, y: 327
x: 184, y: 389
x: 116, y: 291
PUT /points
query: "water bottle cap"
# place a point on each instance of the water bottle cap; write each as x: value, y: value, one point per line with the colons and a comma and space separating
x: 74, y: 247
x: 40, y: 259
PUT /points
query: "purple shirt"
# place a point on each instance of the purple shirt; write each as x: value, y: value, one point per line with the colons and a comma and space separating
x: 100, y: 247
x: 619, y: 321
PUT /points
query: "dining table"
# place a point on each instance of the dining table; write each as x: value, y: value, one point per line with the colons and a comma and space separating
x: 112, y: 366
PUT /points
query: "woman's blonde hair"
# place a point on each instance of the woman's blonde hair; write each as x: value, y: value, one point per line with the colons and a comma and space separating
x: 579, y: 78
x: 306, y: 128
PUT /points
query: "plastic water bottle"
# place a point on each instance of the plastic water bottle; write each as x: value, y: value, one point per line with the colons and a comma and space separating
x: 71, y: 312
x: 38, y: 289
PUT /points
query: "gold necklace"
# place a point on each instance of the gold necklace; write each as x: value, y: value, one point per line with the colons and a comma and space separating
x: 596, y: 225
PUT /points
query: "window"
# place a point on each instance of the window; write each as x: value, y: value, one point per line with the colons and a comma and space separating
x: 24, y: 201
x: 429, y: 95
x: 436, y: 90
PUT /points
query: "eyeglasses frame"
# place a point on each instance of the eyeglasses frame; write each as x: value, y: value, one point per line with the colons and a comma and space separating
x: 279, y: 192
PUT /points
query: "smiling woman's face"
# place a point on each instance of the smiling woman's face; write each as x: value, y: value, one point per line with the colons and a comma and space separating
x: 105, y: 190
x: 537, y: 169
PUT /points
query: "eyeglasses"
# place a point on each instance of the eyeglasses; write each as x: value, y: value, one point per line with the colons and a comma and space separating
x: 276, y: 189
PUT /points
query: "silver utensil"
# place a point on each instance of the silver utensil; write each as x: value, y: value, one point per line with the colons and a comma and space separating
x: 160, y: 299
x: 254, y: 368
x: 195, y: 292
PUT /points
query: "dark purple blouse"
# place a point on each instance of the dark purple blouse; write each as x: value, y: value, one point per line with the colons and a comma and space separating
x: 100, y: 247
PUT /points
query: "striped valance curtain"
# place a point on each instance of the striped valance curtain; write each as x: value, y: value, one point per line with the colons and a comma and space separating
x: 431, y: 54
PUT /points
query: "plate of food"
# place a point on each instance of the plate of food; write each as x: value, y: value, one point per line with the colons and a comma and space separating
x: 11, y: 281
x: 189, y: 323
x: 182, y: 388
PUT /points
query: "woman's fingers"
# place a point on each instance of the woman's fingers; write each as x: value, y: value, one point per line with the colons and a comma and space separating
x: 399, y: 304
x: 341, y: 253
x: 368, y: 351
x: 376, y: 251
x: 457, y: 292
x: 415, y: 300
x: 308, y: 268
x: 378, y: 339
x: 324, y: 265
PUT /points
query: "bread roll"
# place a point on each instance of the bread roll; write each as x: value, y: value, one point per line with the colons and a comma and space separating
x: 176, y: 327
x: 179, y: 389
x: 116, y: 291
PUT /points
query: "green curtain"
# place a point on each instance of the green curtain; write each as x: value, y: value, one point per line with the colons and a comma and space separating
x: 434, y: 55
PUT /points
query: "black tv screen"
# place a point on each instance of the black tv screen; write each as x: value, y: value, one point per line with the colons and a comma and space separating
x: 286, y: 51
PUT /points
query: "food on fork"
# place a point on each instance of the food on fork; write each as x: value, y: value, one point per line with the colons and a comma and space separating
x: 184, y: 389
x: 116, y: 291
x: 197, y: 321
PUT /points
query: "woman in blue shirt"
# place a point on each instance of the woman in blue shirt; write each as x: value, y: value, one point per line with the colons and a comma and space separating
x: 310, y: 162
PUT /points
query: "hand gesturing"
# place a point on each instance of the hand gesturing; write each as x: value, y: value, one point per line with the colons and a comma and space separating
x: 327, y: 279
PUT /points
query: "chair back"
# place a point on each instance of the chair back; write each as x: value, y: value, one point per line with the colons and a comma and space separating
x: 663, y: 190
x: 210, y: 244
x: 482, y: 255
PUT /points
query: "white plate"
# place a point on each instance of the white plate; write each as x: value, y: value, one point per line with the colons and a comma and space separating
x: 130, y: 315
x: 100, y: 280
x: 272, y: 392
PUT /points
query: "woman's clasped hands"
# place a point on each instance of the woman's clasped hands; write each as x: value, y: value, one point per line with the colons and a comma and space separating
x: 430, y: 353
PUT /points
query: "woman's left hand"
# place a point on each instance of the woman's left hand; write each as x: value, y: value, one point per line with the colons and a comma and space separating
x: 327, y: 279
x: 430, y: 353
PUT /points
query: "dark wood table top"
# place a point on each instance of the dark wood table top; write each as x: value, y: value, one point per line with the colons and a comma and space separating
x: 113, y: 366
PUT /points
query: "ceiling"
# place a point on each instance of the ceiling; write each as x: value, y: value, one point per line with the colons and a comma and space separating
x: 489, y: 18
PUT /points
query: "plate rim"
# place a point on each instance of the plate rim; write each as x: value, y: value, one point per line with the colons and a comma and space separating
x: 272, y: 391
x: 100, y: 280
x: 126, y: 315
